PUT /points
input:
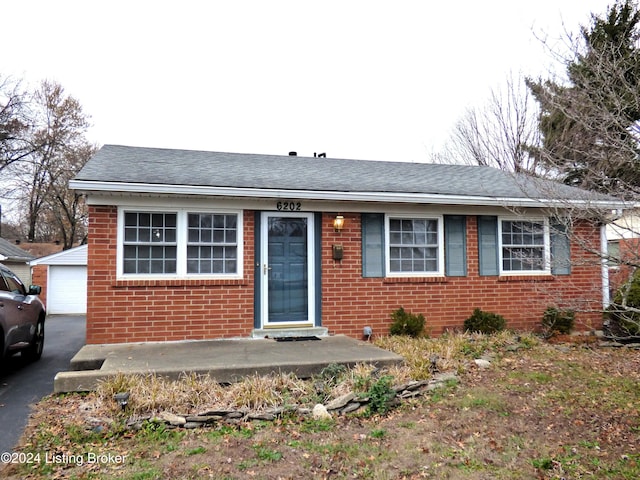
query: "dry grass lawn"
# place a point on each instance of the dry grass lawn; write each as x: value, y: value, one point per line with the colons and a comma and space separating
x: 540, y: 410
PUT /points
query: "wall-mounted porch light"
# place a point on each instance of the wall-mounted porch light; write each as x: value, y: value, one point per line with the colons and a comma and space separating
x: 338, y: 223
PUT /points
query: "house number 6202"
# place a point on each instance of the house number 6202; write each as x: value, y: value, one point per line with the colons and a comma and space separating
x: 289, y: 206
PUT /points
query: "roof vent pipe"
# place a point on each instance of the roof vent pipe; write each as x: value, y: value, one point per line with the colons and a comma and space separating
x: 293, y: 154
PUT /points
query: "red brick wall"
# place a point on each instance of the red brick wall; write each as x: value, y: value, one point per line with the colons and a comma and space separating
x: 39, y: 276
x: 350, y: 302
x: 148, y: 310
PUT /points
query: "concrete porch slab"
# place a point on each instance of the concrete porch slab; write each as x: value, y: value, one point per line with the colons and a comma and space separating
x: 225, y: 360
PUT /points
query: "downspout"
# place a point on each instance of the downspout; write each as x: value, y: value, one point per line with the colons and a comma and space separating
x: 604, y: 265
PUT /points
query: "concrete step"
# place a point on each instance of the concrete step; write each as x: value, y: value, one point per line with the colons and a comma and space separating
x: 290, y: 332
x: 225, y: 360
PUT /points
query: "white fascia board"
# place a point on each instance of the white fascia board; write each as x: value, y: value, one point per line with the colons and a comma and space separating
x: 383, y: 197
x: 72, y: 256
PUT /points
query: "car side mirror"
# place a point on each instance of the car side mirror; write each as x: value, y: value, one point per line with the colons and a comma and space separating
x: 35, y: 289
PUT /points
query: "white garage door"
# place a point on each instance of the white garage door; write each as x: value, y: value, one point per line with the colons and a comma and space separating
x: 67, y: 289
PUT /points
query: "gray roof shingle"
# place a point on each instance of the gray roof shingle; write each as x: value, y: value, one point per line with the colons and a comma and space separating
x: 13, y: 252
x: 155, y: 166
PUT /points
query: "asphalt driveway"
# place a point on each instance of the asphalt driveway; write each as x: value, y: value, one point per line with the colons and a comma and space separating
x: 22, y: 384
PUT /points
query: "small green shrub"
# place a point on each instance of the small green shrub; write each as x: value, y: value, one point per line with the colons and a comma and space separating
x: 381, y: 395
x: 484, y: 322
x: 405, y: 323
x: 555, y: 320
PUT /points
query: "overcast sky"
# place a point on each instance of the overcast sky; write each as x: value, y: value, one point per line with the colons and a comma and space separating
x: 355, y: 79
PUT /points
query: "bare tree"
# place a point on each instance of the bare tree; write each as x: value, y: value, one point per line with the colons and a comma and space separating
x: 15, y: 122
x: 500, y: 133
x: 42, y: 176
x: 68, y: 208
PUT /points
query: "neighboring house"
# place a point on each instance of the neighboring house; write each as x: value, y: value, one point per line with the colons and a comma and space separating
x: 623, y: 240
x: 198, y: 245
x: 41, y: 249
x: 63, y: 278
x: 16, y: 259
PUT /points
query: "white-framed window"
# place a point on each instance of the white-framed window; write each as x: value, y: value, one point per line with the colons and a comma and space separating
x: 524, y: 246
x: 150, y: 243
x: 212, y: 243
x: 179, y: 243
x: 414, y: 245
x: 613, y: 254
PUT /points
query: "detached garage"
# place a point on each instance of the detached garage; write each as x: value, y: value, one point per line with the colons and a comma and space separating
x: 63, y: 277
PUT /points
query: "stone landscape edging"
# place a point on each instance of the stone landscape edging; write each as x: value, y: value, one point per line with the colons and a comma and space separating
x: 345, y: 404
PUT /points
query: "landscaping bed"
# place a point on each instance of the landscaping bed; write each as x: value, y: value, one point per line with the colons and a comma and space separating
x: 509, y: 406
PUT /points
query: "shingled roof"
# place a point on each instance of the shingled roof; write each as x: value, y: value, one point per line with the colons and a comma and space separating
x: 153, y: 170
x: 13, y: 253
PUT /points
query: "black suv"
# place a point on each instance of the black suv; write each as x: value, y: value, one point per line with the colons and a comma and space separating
x: 22, y: 317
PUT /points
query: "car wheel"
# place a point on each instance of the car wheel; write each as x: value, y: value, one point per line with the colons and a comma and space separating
x: 34, y: 351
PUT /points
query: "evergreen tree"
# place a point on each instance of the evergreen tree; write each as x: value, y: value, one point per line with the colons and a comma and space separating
x: 589, y: 124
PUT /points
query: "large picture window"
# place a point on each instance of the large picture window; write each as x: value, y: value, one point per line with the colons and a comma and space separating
x: 180, y: 244
x: 414, y: 246
x: 524, y: 246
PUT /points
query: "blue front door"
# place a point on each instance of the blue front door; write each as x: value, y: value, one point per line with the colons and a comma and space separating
x: 287, y: 270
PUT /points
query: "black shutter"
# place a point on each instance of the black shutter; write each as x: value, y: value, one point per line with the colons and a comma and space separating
x: 455, y: 249
x: 373, y: 245
x: 488, y: 245
x: 560, y: 250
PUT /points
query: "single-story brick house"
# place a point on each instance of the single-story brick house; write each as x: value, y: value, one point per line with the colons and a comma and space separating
x: 200, y: 245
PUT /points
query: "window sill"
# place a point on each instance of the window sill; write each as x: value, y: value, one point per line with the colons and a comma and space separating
x: 527, y: 278
x: 179, y: 282
x: 414, y: 280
